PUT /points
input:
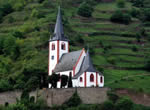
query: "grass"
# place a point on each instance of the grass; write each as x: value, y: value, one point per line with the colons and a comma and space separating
x: 111, y: 6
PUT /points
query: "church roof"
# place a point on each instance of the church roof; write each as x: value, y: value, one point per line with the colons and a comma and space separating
x: 67, y: 61
x: 87, y: 66
x: 59, y: 31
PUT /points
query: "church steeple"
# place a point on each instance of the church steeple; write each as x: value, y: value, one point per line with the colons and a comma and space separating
x: 59, y: 31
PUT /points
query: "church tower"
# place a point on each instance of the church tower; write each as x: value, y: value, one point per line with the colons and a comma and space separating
x: 58, y: 44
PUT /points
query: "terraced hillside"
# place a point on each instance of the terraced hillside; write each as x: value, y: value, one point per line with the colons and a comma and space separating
x: 114, y: 47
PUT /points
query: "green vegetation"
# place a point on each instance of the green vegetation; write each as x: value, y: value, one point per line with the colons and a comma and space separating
x: 119, y: 17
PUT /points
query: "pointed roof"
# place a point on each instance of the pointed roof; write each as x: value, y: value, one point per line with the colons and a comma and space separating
x: 59, y: 31
x: 87, y: 66
x: 67, y: 61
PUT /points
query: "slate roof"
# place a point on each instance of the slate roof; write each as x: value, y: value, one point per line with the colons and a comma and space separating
x: 87, y: 66
x: 59, y: 31
x: 67, y: 61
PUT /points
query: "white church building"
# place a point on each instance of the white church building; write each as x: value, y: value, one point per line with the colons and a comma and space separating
x: 77, y: 63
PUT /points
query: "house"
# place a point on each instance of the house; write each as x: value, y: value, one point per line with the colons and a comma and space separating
x: 78, y: 64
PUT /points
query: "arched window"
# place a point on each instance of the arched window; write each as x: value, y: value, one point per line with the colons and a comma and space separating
x: 91, y: 78
x: 53, y: 46
x: 63, y: 46
x: 101, y: 79
x: 81, y: 79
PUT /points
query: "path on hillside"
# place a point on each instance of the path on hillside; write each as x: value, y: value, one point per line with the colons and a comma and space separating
x: 126, y: 77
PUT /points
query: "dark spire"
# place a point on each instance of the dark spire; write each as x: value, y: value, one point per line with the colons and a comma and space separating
x: 59, y: 32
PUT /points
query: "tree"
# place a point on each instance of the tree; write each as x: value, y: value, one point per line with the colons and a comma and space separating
x: 120, y: 17
x: 85, y: 10
x: 53, y: 79
x: 138, y: 3
x: 121, y: 3
x: 64, y: 80
x: 6, y: 8
x: 70, y: 81
x: 10, y: 47
x: 32, y: 83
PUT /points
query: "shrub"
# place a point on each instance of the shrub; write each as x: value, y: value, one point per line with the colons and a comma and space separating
x: 1, y: 16
x: 138, y: 37
x: 108, y: 105
x: 10, y: 47
x: 79, y: 39
x: 112, y: 96
x: 121, y: 3
x: 74, y: 100
x: 32, y: 83
x: 11, y: 19
x: 85, y: 10
x: 119, y: 17
x: 145, y: 14
x: 17, y: 34
x: 138, y: 3
x: 35, y: 13
x: 47, y: 3
x: 135, y: 12
x: 147, y: 65
x: 111, y: 60
x: 134, y: 48
x: 18, y: 6
x: 124, y: 104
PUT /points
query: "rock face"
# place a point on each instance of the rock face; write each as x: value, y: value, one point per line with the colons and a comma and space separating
x: 59, y: 96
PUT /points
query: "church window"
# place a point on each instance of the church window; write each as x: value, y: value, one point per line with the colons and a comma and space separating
x: 91, y: 78
x: 101, y: 79
x: 70, y: 73
x: 63, y: 46
x: 81, y: 79
x: 53, y: 46
x: 52, y: 57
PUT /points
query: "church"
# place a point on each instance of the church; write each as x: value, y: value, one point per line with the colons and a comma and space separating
x: 78, y: 64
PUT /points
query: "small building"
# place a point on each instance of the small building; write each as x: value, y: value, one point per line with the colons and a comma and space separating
x: 78, y: 64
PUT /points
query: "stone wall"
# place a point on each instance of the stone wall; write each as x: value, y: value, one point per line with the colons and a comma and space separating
x: 59, y: 96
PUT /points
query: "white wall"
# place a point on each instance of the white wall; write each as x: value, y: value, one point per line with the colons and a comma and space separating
x: 90, y: 84
x: 77, y: 83
x: 52, y: 63
x: 61, y: 52
x: 99, y: 83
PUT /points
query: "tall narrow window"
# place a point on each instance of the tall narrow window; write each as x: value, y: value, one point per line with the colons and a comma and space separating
x: 81, y: 79
x: 52, y: 57
x: 101, y: 79
x: 53, y: 46
x: 63, y: 46
x: 91, y: 78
